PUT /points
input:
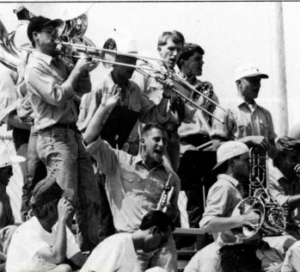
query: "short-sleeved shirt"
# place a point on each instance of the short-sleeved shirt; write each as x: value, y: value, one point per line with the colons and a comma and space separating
x: 282, y: 189
x: 52, y: 101
x: 222, y: 198
x: 27, y: 240
x: 131, y: 98
x: 115, y: 254
x: 241, y: 120
x: 132, y: 189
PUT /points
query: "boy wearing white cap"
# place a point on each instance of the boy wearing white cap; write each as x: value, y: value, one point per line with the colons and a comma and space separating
x: 245, y: 120
x: 223, y: 197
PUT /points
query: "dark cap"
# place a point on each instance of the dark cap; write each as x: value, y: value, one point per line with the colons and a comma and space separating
x: 38, y: 23
x: 48, y: 190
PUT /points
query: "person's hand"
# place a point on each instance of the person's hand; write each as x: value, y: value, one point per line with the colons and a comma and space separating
x: 184, y: 148
x: 262, y: 142
x: 65, y: 208
x: 110, y: 98
x: 85, y: 64
x: 251, y: 219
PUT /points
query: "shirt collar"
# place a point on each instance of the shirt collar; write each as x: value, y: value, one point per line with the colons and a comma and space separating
x: 138, y: 159
x: 240, y: 102
x: 42, y: 56
x: 229, y: 178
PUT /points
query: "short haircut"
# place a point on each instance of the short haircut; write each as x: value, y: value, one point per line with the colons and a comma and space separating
x: 157, y: 219
x: 286, y: 145
x: 176, y: 37
x: 110, y: 44
x: 41, y: 211
x: 151, y: 126
x: 188, y: 50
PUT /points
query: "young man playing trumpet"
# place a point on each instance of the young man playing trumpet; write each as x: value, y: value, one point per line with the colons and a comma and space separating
x: 134, y: 184
x: 228, y: 252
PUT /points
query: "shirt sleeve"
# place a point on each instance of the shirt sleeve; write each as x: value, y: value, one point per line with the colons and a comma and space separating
x: 45, y: 86
x: 272, y: 134
x: 104, y: 154
x: 216, y: 204
x: 223, y: 128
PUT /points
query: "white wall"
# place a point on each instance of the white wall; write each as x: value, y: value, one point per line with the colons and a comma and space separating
x: 230, y: 33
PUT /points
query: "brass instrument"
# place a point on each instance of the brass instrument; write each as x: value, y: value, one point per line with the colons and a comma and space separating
x: 98, y: 54
x: 273, y: 220
x: 165, y: 196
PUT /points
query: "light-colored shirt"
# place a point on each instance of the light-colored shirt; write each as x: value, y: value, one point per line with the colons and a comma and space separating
x: 115, y: 254
x: 154, y: 90
x: 241, y: 120
x: 27, y: 240
x: 282, y: 189
x: 131, y: 98
x: 52, y: 101
x: 132, y: 189
x: 222, y: 198
x: 8, y: 92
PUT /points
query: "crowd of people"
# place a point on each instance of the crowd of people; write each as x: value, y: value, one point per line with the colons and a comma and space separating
x: 90, y: 204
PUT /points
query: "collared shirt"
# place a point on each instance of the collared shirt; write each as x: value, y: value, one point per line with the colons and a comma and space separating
x: 132, y: 189
x: 222, y: 198
x: 154, y: 90
x: 242, y: 119
x: 200, y: 123
x: 52, y: 100
x: 282, y: 189
x: 131, y: 98
x: 8, y: 92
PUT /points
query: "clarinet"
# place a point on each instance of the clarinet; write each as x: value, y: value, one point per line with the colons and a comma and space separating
x: 165, y: 196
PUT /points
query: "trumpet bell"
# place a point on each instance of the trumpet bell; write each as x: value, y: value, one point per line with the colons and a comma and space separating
x: 247, y: 205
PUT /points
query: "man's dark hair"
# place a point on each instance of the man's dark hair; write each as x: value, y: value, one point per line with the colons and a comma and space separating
x: 175, y: 35
x: 110, y: 44
x: 286, y: 145
x: 157, y: 219
x: 188, y: 50
x: 151, y: 126
x: 41, y: 211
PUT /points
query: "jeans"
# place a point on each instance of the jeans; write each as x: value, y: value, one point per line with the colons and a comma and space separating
x: 64, y: 155
x: 165, y: 257
x: 36, y: 172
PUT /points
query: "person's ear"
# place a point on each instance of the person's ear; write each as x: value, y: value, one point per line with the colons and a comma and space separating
x: 231, y: 162
x: 154, y: 230
x: 142, y: 141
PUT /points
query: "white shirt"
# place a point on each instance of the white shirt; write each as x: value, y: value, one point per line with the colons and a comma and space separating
x: 114, y: 254
x: 28, y: 239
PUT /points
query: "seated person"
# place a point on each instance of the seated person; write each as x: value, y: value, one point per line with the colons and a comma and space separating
x: 284, y: 180
x: 44, y: 242
x: 228, y: 252
x: 118, y: 252
x: 7, y: 219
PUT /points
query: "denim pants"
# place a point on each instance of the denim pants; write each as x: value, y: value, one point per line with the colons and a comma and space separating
x: 36, y: 172
x: 165, y: 257
x: 65, y: 157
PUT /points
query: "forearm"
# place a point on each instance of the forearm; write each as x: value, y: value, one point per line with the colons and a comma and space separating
x: 14, y: 120
x: 163, y: 106
x: 60, y: 242
x: 219, y: 224
x: 72, y: 80
x: 94, y: 127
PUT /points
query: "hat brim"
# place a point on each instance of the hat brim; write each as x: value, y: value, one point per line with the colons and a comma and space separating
x: 261, y: 75
x: 218, y: 165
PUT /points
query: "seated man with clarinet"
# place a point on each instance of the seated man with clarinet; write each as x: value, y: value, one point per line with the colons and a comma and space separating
x: 135, y: 184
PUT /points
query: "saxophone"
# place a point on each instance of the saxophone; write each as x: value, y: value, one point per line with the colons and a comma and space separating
x: 273, y: 216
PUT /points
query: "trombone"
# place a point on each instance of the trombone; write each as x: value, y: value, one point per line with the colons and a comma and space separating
x: 97, y: 55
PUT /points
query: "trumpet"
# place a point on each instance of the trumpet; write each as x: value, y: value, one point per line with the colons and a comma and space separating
x: 165, y: 196
x: 98, y: 55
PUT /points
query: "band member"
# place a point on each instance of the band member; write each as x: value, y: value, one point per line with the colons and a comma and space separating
x: 223, y: 197
x: 53, y: 83
x: 134, y: 184
x: 190, y: 63
x: 284, y: 181
x: 44, y: 242
x: 169, y: 46
x: 245, y: 120
x: 117, y: 253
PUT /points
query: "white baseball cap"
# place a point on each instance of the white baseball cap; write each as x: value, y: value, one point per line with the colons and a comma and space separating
x: 6, y: 159
x: 230, y: 150
x: 248, y: 70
